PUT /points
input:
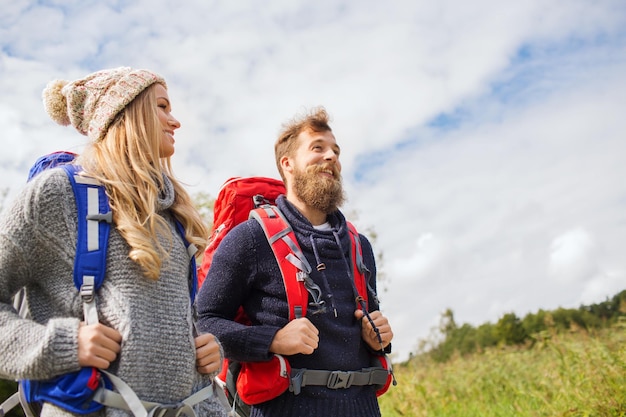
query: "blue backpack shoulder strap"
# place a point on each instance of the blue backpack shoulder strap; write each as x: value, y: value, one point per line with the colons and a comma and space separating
x: 191, y: 250
x: 73, y: 391
x: 50, y: 160
x: 94, y: 224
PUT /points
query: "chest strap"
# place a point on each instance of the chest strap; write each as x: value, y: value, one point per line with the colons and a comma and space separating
x: 126, y: 399
x: 336, y: 379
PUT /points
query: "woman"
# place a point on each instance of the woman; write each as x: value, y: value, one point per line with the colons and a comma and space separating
x: 145, y: 331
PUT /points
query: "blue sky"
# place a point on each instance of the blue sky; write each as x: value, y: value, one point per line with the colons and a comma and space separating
x: 482, y: 141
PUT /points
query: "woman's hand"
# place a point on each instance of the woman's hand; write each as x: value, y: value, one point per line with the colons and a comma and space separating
x: 208, y: 355
x: 98, y: 345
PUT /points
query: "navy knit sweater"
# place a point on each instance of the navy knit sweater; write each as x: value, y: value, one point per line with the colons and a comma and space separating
x: 244, y: 272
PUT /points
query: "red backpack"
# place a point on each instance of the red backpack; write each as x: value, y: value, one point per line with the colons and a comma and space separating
x: 243, y: 198
x: 236, y: 198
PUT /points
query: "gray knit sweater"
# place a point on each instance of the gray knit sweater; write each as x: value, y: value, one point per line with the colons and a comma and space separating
x: 37, y: 248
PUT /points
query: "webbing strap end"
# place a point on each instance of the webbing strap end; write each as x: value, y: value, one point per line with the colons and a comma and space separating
x: 9, y: 404
x: 296, y: 382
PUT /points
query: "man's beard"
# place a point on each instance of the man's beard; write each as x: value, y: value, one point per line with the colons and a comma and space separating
x: 318, y: 191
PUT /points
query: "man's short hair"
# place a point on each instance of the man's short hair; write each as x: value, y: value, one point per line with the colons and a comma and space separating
x: 315, y: 120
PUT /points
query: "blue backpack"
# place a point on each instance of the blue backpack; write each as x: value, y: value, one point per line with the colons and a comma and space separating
x: 90, y: 389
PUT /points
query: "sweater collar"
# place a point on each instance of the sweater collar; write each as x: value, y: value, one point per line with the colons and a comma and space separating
x: 165, y: 200
x: 300, y: 223
x: 323, y: 242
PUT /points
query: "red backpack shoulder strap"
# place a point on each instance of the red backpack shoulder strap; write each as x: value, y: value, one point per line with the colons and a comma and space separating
x: 293, y: 265
x: 358, y: 266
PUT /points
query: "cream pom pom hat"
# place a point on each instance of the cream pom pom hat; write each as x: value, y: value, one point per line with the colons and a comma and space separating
x: 91, y: 103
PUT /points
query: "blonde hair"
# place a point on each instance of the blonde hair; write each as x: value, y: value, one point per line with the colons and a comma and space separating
x: 129, y: 165
x: 315, y: 120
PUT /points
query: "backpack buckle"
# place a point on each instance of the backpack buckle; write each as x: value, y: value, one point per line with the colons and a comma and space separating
x: 301, y: 276
x: 259, y: 200
x: 340, y: 379
x: 87, y: 289
x: 166, y: 410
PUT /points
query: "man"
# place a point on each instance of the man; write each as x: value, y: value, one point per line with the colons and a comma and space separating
x: 334, y: 335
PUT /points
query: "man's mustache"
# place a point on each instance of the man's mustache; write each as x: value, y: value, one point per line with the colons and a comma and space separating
x: 326, y: 167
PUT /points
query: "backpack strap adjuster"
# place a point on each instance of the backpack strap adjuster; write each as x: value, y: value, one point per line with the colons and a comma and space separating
x: 87, y: 289
x: 87, y: 293
x: 100, y: 217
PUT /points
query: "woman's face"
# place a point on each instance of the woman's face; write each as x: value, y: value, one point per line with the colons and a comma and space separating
x: 168, y: 122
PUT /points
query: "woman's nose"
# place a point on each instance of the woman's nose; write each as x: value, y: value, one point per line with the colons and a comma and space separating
x: 174, y: 122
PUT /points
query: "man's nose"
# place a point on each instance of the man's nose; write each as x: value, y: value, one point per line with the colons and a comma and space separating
x: 330, y: 155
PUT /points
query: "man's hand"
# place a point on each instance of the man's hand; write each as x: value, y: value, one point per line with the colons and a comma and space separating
x: 298, y: 336
x: 98, y: 345
x: 369, y: 334
x: 208, y: 356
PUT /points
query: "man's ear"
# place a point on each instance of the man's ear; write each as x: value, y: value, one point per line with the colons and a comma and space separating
x: 286, y: 164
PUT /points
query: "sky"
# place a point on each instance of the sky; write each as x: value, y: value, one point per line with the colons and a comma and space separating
x: 483, y: 142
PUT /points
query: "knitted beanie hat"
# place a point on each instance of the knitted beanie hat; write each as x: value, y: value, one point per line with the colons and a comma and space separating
x: 91, y: 103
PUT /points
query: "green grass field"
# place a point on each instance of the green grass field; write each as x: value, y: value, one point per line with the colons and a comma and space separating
x: 572, y: 374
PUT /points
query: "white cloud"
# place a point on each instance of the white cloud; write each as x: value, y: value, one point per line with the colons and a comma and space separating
x: 572, y: 257
x: 428, y: 252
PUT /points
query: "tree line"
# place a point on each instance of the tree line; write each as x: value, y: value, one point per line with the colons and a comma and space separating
x: 452, y: 339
